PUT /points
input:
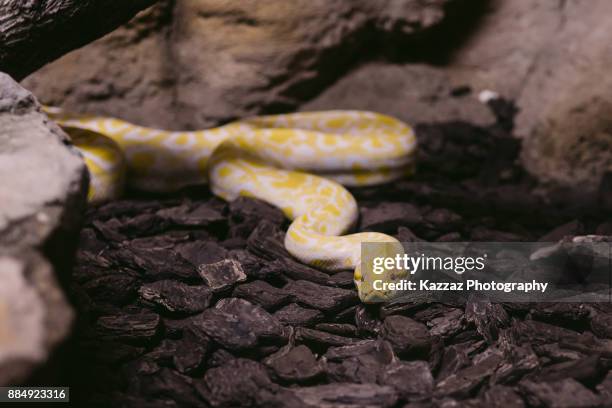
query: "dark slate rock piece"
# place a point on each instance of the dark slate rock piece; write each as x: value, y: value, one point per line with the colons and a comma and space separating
x: 140, y: 366
x: 109, y: 230
x: 321, y: 297
x: 156, y: 263
x: 236, y: 324
x: 89, y: 241
x: 406, y: 235
x: 175, y: 326
x: 117, y: 288
x: 112, y: 352
x: 366, y: 321
x: 345, y: 316
x: 235, y: 383
x: 431, y: 311
x: 443, y: 219
x: 175, y: 297
x: 348, y: 395
x: 243, y: 308
x: 295, y: 364
x: 342, y: 279
x: 246, y: 213
x: 454, y: 359
x: 143, y: 224
x: 136, y: 328
x: 263, y: 294
x: 244, y: 383
x: 296, y: 271
x: 354, y: 370
x: 252, y: 265
x: 605, y: 228
x: 557, y: 394
x: 463, y: 383
x: 168, y: 240
x: 519, y: 360
x: 360, y: 363
x: 123, y: 208
x: 587, y: 370
x: 442, y: 403
x: 244, y: 209
x: 267, y: 349
x: 222, y: 275
x: 571, y: 228
x: 319, y: 339
x: 412, y: 380
x: 604, y: 388
x: 190, y: 353
x: 490, y: 235
x: 232, y: 244
x: 416, y: 303
x: 185, y: 354
x: 387, y: 216
x: 601, y: 325
x: 130, y: 401
x: 199, y: 214
x: 162, y: 354
x: 247, y: 210
x: 296, y: 315
x: 167, y: 383
x: 539, y: 333
x: 436, y: 353
x: 557, y: 354
x: 501, y: 396
x: 562, y: 314
x: 449, y: 237
x: 409, y: 338
x: 488, y: 318
x: 201, y: 252
x: 90, y: 308
x: 448, y: 324
x: 341, y: 329
x: 267, y: 241
x: 220, y: 357
x: 362, y: 347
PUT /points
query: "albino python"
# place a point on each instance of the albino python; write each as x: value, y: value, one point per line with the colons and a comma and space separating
x: 271, y: 158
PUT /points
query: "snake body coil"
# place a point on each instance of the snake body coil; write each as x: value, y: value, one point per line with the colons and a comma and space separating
x: 297, y: 162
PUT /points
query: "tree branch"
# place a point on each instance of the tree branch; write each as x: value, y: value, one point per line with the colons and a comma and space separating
x: 35, y: 32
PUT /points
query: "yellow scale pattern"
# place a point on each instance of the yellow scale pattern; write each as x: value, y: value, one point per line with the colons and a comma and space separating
x: 297, y: 162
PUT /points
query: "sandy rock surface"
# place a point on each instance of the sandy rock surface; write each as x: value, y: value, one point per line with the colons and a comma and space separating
x: 196, y: 63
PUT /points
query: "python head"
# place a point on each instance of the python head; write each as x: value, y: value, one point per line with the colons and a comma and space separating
x: 372, y: 276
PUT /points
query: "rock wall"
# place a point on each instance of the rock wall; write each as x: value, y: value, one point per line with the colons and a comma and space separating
x: 197, y: 63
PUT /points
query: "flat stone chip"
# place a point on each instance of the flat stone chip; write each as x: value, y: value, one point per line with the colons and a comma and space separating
x: 222, y: 275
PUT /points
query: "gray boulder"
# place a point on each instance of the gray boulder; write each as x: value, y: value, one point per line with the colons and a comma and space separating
x: 43, y: 185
